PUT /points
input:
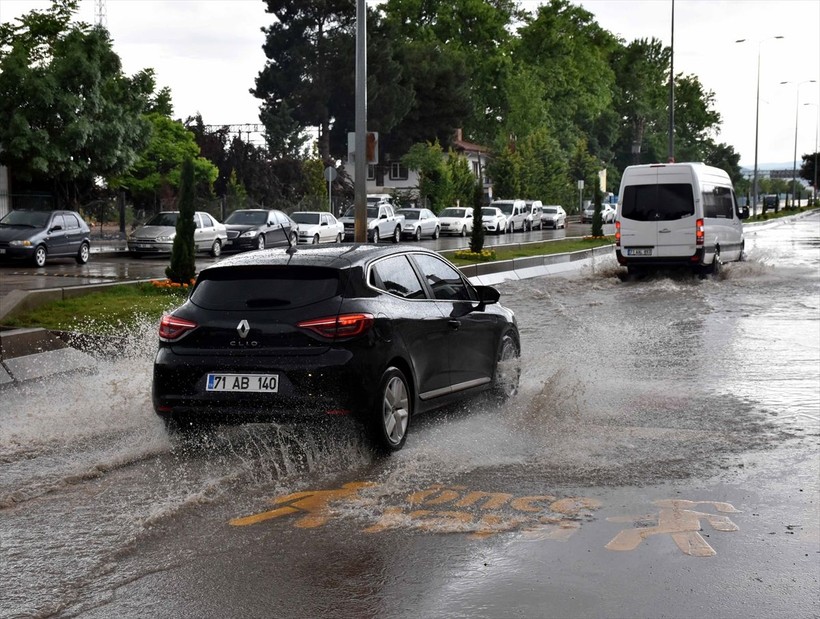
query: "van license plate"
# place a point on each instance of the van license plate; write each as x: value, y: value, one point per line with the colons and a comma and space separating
x: 639, y: 252
x: 246, y: 383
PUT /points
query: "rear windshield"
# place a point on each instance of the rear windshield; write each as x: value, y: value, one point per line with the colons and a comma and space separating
x: 664, y: 202
x: 265, y: 288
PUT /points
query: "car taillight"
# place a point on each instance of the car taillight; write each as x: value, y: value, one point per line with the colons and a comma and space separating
x: 699, y: 232
x: 172, y: 328
x: 617, y: 234
x: 342, y: 326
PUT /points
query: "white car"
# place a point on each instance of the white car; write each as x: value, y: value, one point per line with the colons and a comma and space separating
x: 318, y: 227
x: 419, y: 222
x: 607, y: 214
x: 554, y: 216
x: 456, y: 220
x: 493, y: 220
x: 516, y: 213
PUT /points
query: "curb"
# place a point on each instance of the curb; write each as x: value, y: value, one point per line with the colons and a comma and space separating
x: 30, y: 354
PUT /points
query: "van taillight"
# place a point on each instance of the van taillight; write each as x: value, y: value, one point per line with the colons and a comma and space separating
x: 617, y: 234
x: 699, y: 232
x: 172, y: 328
x: 342, y: 326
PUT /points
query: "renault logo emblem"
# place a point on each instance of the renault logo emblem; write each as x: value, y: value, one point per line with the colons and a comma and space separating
x: 243, y: 328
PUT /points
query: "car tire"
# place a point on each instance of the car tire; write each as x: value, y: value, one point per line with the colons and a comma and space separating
x: 216, y: 248
x: 397, y: 235
x: 315, y: 239
x: 417, y: 235
x: 714, y: 268
x: 392, y: 411
x: 375, y: 235
x: 340, y: 238
x: 436, y: 233
x: 507, y: 369
x: 294, y: 239
x: 463, y: 231
x: 83, y: 254
x: 40, y: 255
x: 260, y: 242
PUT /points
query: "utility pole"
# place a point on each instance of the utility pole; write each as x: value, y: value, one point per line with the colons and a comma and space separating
x: 100, y: 15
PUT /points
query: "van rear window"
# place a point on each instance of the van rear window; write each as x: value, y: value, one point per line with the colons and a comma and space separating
x: 662, y: 202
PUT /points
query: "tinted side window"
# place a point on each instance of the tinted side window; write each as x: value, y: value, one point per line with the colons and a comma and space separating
x: 445, y: 281
x: 396, y: 276
x: 664, y: 202
x: 718, y: 202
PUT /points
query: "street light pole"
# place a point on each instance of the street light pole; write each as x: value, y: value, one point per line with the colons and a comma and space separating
x: 796, y: 114
x: 757, y: 115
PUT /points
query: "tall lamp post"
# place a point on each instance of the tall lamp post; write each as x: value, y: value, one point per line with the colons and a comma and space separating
x: 757, y: 114
x: 796, y: 114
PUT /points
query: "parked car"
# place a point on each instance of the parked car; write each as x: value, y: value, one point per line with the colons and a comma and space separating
x: 255, y: 228
x: 383, y: 222
x: 607, y: 213
x: 493, y: 220
x: 515, y: 211
x: 554, y: 216
x: 318, y: 227
x: 456, y: 220
x: 419, y: 222
x: 156, y: 236
x: 534, y: 210
x: 36, y: 236
x: 380, y: 332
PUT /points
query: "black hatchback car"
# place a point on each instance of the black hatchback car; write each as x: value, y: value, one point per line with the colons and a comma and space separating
x: 255, y: 228
x: 383, y: 333
x: 38, y: 235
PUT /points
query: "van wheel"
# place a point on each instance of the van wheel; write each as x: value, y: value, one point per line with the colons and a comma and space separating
x: 392, y: 410
x: 397, y: 234
x: 714, y: 268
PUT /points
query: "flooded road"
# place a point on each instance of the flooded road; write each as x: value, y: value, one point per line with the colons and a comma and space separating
x: 661, y: 460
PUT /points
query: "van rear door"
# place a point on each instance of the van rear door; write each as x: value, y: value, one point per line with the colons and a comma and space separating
x: 660, y: 208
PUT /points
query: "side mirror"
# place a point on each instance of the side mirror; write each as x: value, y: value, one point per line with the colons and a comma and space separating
x: 744, y: 212
x: 55, y: 228
x: 487, y: 295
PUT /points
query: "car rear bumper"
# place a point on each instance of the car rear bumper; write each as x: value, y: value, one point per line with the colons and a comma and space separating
x: 307, y: 385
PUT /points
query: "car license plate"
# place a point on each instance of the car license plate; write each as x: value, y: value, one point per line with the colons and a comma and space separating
x: 2, y: 251
x: 247, y: 383
x: 639, y: 252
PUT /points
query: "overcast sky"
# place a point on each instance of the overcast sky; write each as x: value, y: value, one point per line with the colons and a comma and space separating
x: 209, y: 52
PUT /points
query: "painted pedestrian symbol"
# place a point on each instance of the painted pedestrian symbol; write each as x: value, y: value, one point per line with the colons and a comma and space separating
x: 681, y: 521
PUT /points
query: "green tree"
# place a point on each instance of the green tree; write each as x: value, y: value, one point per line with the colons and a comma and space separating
x: 183, y: 252
x: 435, y: 186
x: 544, y: 169
x: 808, y: 169
x: 505, y: 170
x: 597, y: 216
x: 462, y: 179
x: 477, y: 235
x: 158, y: 168
x: 316, y: 38
x: 69, y: 113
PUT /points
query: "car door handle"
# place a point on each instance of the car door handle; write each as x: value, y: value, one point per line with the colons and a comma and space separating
x: 664, y: 231
x: 454, y: 324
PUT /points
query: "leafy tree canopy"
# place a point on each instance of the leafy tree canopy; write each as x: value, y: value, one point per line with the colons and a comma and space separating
x: 73, y: 116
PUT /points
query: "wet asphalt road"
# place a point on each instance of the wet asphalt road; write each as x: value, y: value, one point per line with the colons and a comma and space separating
x: 660, y: 461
